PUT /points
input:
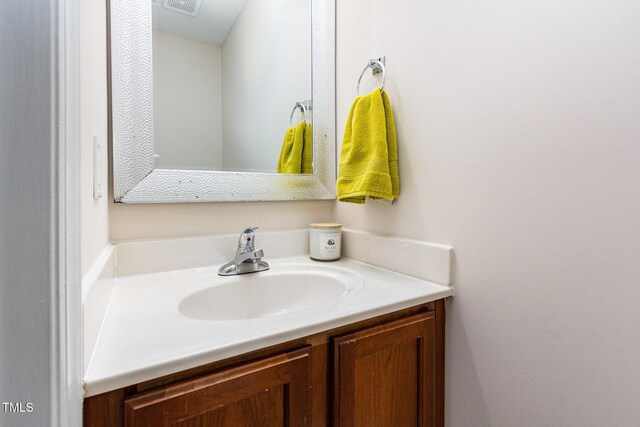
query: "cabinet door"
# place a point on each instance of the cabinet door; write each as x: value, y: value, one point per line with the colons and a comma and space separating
x: 386, y: 375
x: 273, y: 392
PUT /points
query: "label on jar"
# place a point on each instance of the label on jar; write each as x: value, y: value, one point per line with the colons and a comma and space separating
x: 329, y: 245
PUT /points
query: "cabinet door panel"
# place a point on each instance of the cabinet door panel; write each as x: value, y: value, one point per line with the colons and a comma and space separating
x: 385, y: 376
x: 273, y: 392
x: 261, y: 409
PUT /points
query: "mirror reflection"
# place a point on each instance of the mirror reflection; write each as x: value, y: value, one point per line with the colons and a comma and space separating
x: 232, y: 85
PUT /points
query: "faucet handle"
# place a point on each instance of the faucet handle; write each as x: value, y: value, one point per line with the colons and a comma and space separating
x: 245, y: 242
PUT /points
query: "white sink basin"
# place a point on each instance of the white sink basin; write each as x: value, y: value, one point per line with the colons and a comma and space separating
x: 280, y: 291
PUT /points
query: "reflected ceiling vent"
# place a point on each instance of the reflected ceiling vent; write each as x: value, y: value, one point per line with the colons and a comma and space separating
x: 188, y: 7
x: 154, y: 2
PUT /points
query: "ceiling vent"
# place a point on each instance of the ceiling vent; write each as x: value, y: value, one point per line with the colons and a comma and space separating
x: 188, y: 7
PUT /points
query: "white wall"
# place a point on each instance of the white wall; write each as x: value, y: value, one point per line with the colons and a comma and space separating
x: 187, y: 102
x: 93, y: 121
x: 519, y: 139
x: 39, y: 269
x: 266, y: 69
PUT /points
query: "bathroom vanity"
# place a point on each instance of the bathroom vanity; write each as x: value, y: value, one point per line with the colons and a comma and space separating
x: 169, y: 342
x: 383, y: 371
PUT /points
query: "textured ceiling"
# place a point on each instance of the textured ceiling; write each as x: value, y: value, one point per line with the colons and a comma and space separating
x: 211, y: 25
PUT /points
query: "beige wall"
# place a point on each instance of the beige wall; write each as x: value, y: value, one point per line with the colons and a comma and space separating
x: 135, y: 222
x: 93, y: 121
x: 519, y: 136
x: 187, y: 103
x: 519, y: 139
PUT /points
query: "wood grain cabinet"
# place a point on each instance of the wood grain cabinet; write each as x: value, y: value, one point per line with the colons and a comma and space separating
x: 382, y: 372
x: 273, y: 392
x: 386, y: 375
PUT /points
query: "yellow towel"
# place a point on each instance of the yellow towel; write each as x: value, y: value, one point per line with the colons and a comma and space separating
x: 296, y: 155
x: 369, y: 156
x: 291, y: 152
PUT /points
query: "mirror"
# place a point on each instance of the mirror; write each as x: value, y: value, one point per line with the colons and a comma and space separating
x: 227, y: 76
x: 226, y: 100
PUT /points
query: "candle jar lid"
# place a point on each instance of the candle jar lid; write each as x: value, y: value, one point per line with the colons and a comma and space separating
x: 328, y: 225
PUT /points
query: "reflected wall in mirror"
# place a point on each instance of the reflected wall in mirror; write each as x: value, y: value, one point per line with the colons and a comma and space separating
x: 227, y: 74
x: 211, y: 110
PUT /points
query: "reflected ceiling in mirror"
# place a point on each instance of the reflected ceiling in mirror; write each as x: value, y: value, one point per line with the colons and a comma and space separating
x: 227, y: 76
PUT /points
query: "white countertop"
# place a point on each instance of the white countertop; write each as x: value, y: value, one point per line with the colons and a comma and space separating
x: 144, y: 336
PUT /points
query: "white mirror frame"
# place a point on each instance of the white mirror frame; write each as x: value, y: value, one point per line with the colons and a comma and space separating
x: 134, y: 177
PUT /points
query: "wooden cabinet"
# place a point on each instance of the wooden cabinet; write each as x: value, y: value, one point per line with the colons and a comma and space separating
x: 273, y: 392
x: 386, y: 375
x: 386, y: 371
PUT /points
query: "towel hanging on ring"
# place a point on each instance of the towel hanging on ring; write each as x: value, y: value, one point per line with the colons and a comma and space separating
x: 296, y: 154
x: 369, y: 156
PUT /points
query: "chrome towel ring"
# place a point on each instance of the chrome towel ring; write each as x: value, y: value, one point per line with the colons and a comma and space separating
x: 304, y: 107
x: 377, y: 67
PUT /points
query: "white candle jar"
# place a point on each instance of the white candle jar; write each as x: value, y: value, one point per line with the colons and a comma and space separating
x: 325, y: 241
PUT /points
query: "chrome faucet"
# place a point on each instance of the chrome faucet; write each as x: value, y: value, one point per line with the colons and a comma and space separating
x: 247, y: 259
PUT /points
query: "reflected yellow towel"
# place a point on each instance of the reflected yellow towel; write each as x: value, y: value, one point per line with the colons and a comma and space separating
x: 291, y: 152
x: 296, y: 155
x: 369, y: 156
